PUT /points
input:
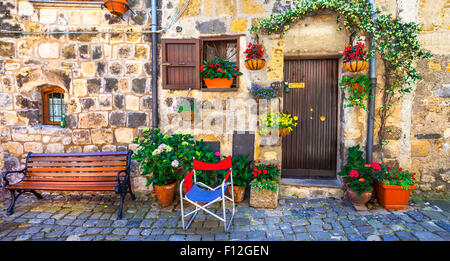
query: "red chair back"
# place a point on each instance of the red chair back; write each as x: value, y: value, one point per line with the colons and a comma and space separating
x: 199, y: 165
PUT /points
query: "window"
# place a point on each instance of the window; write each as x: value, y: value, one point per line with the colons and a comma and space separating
x: 181, y: 59
x: 54, y: 106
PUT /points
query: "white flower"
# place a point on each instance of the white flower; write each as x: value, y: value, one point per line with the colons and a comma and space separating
x: 175, y: 163
x: 156, y: 152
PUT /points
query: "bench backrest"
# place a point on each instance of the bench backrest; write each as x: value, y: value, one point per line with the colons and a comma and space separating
x: 92, y: 166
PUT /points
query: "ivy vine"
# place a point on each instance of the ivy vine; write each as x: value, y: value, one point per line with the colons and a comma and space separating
x: 395, y: 41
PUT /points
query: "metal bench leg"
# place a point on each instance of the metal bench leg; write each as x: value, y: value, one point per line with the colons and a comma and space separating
x: 12, y: 202
x: 131, y: 192
x: 37, y: 195
x: 122, y: 198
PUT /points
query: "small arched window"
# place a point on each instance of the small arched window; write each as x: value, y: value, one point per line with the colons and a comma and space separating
x: 54, y: 106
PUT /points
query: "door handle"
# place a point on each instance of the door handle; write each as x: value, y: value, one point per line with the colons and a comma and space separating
x: 181, y: 63
x: 166, y: 64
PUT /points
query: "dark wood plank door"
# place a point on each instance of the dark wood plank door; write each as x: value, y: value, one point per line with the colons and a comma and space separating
x: 309, y: 151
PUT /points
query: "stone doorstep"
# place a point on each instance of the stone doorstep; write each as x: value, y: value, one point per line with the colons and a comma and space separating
x: 311, y: 188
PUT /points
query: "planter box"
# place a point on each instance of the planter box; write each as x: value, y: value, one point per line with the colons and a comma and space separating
x: 264, y: 199
x: 392, y: 196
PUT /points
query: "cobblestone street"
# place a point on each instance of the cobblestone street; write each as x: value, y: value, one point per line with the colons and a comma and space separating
x: 93, y: 218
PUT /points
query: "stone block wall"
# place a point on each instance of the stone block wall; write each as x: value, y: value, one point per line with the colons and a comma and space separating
x: 106, y: 78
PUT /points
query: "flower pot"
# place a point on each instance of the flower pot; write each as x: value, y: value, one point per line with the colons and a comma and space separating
x: 117, y: 7
x: 165, y: 194
x: 357, y: 88
x: 283, y: 132
x: 255, y: 64
x: 361, y: 200
x: 238, y: 193
x: 218, y: 82
x: 355, y: 65
x: 392, y: 196
x: 263, y: 198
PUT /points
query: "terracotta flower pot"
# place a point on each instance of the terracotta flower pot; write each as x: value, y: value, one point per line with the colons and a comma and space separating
x: 264, y: 198
x: 117, y: 7
x: 255, y: 64
x: 218, y: 82
x: 355, y: 65
x: 392, y: 196
x: 284, y: 132
x: 165, y: 194
x: 357, y: 88
x: 361, y: 200
x: 238, y: 193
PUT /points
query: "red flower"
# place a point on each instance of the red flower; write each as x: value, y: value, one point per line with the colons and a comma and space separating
x: 259, y: 171
x: 255, y: 174
x: 265, y: 171
x: 255, y: 169
x: 354, y: 173
x: 202, y: 67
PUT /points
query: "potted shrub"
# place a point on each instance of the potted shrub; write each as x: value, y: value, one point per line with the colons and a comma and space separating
x: 355, y: 58
x: 271, y: 122
x: 358, y: 89
x: 357, y: 178
x: 253, y: 57
x: 219, y: 73
x: 117, y: 7
x: 392, y: 188
x: 264, y: 187
x: 241, y: 175
x: 262, y: 93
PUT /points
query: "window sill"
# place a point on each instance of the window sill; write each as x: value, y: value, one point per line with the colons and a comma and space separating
x: 67, y: 4
x: 219, y: 89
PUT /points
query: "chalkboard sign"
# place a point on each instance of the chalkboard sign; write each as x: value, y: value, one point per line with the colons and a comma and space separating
x: 244, y: 144
x: 214, y: 146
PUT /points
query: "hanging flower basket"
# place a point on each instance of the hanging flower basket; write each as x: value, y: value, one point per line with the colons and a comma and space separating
x: 355, y: 65
x: 255, y: 64
x: 284, y: 132
x: 253, y: 57
x: 117, y: 7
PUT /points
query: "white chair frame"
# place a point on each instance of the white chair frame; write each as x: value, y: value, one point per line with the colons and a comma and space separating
x: 199, y: 207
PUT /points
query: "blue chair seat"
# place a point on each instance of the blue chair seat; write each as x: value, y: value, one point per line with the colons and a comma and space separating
x: 200, y: 195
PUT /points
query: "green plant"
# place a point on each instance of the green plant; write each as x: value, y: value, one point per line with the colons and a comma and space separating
x: 164, y: 158
x: 269, y: 122
x: 219, y: 68
x: 399, y: 177
x: 242, y: 170
x: 265, y: 177
x: 355, y: 175
x: 356, y: 98
x: 187, y: 104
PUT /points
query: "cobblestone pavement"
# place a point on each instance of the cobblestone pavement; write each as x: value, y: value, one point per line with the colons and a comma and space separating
x: 93, y: 217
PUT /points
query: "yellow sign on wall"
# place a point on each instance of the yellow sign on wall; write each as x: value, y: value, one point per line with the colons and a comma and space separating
x: 295, y: 85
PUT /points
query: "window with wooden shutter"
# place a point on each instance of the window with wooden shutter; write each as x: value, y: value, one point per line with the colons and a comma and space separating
x: 180, y: 64
x: 224, y: 46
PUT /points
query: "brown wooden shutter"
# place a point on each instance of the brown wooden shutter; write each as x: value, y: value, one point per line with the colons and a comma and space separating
x: 180, y: 64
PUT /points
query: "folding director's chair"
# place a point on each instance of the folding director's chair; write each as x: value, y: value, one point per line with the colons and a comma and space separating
x: 195, y: 194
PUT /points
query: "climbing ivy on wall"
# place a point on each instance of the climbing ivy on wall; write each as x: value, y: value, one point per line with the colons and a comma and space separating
x: 395, y: 41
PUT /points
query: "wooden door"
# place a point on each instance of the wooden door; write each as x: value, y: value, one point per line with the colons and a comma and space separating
x: 309, y: 151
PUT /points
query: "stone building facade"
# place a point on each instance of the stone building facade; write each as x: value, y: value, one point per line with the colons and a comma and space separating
x: 107, y: 79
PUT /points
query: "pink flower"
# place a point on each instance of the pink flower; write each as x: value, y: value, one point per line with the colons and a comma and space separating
x: 354, y: 173
x: 217, y: 154
x: 375, y: 166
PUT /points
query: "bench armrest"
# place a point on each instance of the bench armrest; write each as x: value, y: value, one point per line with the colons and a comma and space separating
x: 4, y: 176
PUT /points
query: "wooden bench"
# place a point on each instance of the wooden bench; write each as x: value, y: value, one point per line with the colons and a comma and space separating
x: 97, y: 171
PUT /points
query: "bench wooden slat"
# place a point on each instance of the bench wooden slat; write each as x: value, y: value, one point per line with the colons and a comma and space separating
x: 76, y: 164
x: 72, y: 179
x: 53, y: 159
x: 76, y: 154
x: 71, y: 169
x: 74, y: 187
x: 74, y: 174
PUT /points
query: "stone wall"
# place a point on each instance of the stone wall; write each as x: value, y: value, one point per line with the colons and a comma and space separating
x: 106, y: 78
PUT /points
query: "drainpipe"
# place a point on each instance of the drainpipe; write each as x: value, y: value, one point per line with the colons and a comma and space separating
x: 154, y: 21
x: 373, y: 79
